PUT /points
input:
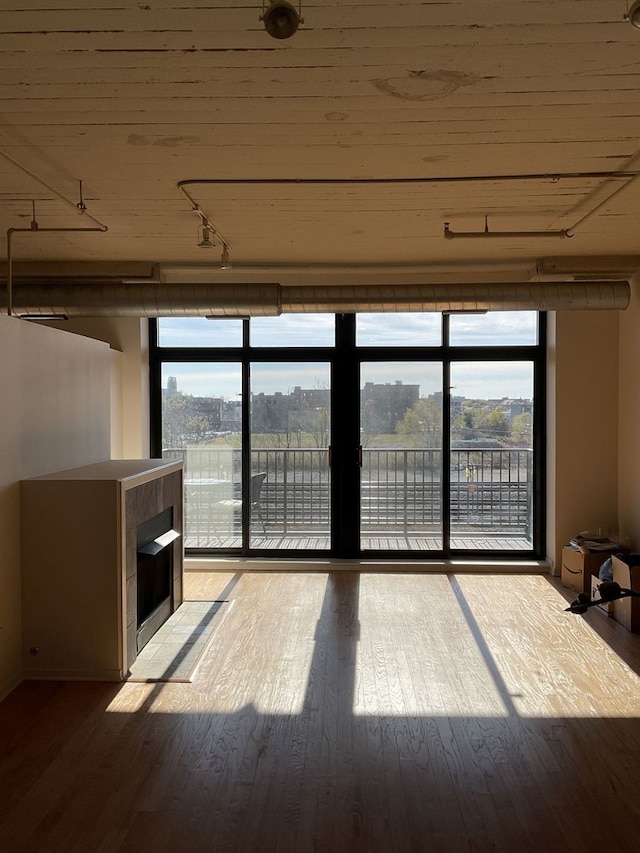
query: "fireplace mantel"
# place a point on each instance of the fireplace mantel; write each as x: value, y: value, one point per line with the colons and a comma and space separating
x: 79, y: 564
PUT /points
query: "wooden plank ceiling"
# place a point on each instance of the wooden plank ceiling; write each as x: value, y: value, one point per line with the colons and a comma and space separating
x: 132, y: 98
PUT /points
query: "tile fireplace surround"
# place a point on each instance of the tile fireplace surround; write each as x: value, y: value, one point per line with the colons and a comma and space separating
x: 79, y: 564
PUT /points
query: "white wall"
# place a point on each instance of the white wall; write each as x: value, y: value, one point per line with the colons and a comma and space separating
x: 129, y: 336
x: 582, y: 427
x: 117, y: 415
x: 55, y: 390
x: 629, y: 419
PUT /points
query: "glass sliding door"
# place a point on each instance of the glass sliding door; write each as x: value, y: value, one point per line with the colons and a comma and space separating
x: 289, y: 444
x: 401, y: 456
x: 491, y: 459
x: 356, y: 434
x: 201, y: 426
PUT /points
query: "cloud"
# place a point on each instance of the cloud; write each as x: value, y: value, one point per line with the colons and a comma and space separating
x: 484, y: 380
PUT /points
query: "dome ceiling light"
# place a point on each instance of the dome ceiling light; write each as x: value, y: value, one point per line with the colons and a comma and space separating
x: 281, y: 19
x: 633, y: 15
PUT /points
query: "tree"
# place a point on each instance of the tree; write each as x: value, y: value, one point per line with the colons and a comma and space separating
x: 422, y: 424
x: 319, y: 426
x: 175, y: 412
x: 182, y: 422
x: 462, y: 425
x: 496, y: 424
x: 522, y: 430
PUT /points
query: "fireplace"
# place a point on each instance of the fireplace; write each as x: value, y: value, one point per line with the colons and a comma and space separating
x: 102, y: 565
x: 154, y: 575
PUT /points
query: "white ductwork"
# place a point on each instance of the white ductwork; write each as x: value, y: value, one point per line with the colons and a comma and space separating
x: 119, y: 299
x: 539, y: 296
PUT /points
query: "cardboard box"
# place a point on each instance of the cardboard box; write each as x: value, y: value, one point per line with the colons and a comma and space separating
x: 577, y: 568
x: 626, y: 572
x: 605, y: 607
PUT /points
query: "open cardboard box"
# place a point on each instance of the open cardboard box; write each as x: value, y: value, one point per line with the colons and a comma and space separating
x: 605, y: 607
x: 626, y: 572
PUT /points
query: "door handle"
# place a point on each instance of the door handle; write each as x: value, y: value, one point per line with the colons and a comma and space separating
x: 330, y: 455
x: 360, y: 456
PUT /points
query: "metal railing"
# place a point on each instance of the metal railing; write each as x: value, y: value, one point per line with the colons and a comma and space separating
x: 490, y: 491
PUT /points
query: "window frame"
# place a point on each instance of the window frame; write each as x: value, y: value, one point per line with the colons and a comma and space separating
x: 345, y: 357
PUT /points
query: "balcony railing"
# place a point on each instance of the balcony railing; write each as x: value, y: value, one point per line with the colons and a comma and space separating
x: 490, y: 494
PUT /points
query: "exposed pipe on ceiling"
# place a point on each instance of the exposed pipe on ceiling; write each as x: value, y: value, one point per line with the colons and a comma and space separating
x: 450, y: 235
x: 40, y: 299
x: 433, y: 179
x: 34, y: 229
x: 628, y: 175
x: 632, y: 177
x: 79, y: 206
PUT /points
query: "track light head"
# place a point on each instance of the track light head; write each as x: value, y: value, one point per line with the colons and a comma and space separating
x: 281, y: 19
x: 225, y: 263
x: 633, y: 15
x: 205, y: 237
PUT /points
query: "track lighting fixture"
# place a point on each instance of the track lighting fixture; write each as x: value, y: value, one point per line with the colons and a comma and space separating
x: 280, y: 19
x: 225, y: 263
x: 205, y: 236
x: 633, y: 15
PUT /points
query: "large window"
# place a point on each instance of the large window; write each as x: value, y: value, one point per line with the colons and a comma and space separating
x: 371, y: 434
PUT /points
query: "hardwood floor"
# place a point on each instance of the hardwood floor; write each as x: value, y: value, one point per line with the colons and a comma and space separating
x: 340, y: 712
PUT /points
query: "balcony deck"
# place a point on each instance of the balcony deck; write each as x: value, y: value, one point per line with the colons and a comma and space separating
x: 390, y: 542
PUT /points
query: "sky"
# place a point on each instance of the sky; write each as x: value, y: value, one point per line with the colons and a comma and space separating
x: 471, y: 380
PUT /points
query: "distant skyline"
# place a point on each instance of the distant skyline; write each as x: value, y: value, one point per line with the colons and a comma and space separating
x: 471, y: 380
x: 482, y: 380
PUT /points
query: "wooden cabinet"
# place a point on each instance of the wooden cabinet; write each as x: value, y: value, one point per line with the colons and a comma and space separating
x: 79, y: 564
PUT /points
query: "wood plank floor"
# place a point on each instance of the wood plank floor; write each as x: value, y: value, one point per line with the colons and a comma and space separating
x: 339, y: 712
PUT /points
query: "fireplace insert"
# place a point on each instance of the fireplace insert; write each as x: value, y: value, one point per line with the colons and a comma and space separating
x: 154, y: 575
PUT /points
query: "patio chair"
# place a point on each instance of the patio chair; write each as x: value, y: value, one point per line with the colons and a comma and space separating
x: 255, y: 490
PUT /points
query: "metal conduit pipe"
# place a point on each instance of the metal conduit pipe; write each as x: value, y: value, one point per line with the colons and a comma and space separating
x: 627, y: 174
x: 629, y: 168
x: 34, y: 229
x: 622, y: 174
x: 500, y: 235
x: 78, y: 206
x: 116, y: 299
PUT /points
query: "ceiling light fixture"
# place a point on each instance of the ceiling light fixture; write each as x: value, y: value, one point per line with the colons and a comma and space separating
x: 205, y: 236
x: 633, y: 15
x: 43, y: 317
x: 280, y: 19
x: 225, y: 263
